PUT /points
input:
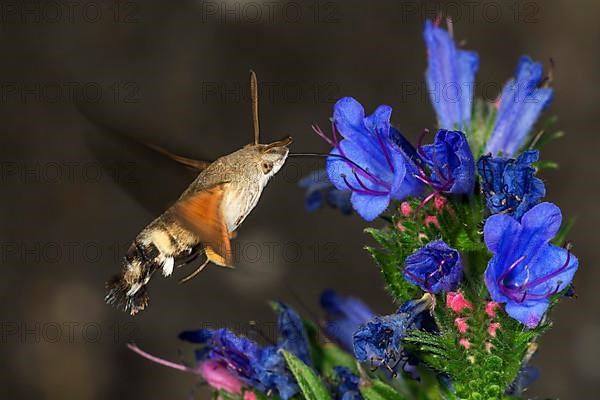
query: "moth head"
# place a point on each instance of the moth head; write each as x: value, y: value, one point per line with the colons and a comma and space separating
x: 272, y: 156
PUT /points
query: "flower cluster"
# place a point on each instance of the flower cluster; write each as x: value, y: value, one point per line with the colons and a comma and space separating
x: 470, y: 250
x: 236, y: 364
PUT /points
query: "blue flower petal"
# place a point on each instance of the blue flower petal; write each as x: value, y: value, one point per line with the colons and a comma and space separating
x: 369, y: 161
x: 509, y: 185
x: 349, y: 118
x: 369, y: 207
x: 348, y: 384
x: 274, y: 375
x: 451, y: 162
x: 292, y: 336
x: 200, y: 336
x: 528, y: 312
x: 526, y: 270
x: 521, y: 103
x: 343, y: 317
x: 450, y: 78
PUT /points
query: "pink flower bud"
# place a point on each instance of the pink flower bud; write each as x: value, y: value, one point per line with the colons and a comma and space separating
x: 488, y: 347
x: 492, y: 328
x: 406, y: 209
x: 400, y: 227
x: 490, y: 308
x: 464, y: 342
x: 456, y: 302
x: 249, y: 395
x: 440, y: 202
x: 461, y: 325
x: 218, y: 377
x: 432, y: 220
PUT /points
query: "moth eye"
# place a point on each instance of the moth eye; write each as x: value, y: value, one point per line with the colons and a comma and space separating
x: 266, y: 167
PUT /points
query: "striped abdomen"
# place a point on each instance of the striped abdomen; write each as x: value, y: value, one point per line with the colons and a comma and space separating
x: 159, y: 246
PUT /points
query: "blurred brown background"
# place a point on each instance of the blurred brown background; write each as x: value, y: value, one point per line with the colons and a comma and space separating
x: 175, y: 73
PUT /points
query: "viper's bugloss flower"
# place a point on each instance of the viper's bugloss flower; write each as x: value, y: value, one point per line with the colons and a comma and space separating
x: 347, y: 385
x: 343, y: 317
x: 510, y: 186
x: 450, y: 77
x: 292, y: 336
x: 240, y: 355
x: 435, y: 267
x: 261, y: 368
x: 216, y: 375
x: 274, y: 375
x: 379, y: 341
x: 526, y: 270
x: 451, y: 162
x: 521, y: 102
x: 369, y: 161
x: 320, y: 191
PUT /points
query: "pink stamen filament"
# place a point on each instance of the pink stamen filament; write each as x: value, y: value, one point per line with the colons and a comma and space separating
x: 159, y: 360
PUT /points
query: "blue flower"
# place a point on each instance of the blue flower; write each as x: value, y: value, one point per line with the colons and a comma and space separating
x: 348, y: 384
x: 526, y: 270
x: 450, y: 78
x: 451, y: 162
x: 509, y: 185
x: 380, y: 338
x: 274, y: 375
x: 320, y: 190
x: 265, y: 368
x: 343, y: 317
x: 435, y: 268
x: 379, y: 341
x: 240, y: 355
x: 367, y: 160
x: 521, y: 102
x: 292, y: 336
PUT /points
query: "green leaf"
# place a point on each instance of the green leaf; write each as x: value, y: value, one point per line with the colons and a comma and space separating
x: 311, y: 386
x: 564, y: 230
x: 545, y: 165
x: 333, y: 356
x: 378, y: 390
x: 326, y: 355
x: 259, y: 395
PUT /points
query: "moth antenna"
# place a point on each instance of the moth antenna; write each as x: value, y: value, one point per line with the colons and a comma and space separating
x: 254, y: 96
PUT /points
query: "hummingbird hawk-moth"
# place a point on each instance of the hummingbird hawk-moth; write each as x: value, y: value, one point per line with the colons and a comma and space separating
x: 203, y: 219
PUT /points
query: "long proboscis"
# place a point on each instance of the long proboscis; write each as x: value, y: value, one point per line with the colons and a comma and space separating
x: 324, y: 155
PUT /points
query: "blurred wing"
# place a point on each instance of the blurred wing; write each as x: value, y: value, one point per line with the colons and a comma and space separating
x: 141, y: 170
x: 200, y: 212
x: 195, y: 165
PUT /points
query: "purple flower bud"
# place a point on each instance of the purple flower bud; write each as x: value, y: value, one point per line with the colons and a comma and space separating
x: 521, y: 103
x: 451, y: 162
x: 435, y: 268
